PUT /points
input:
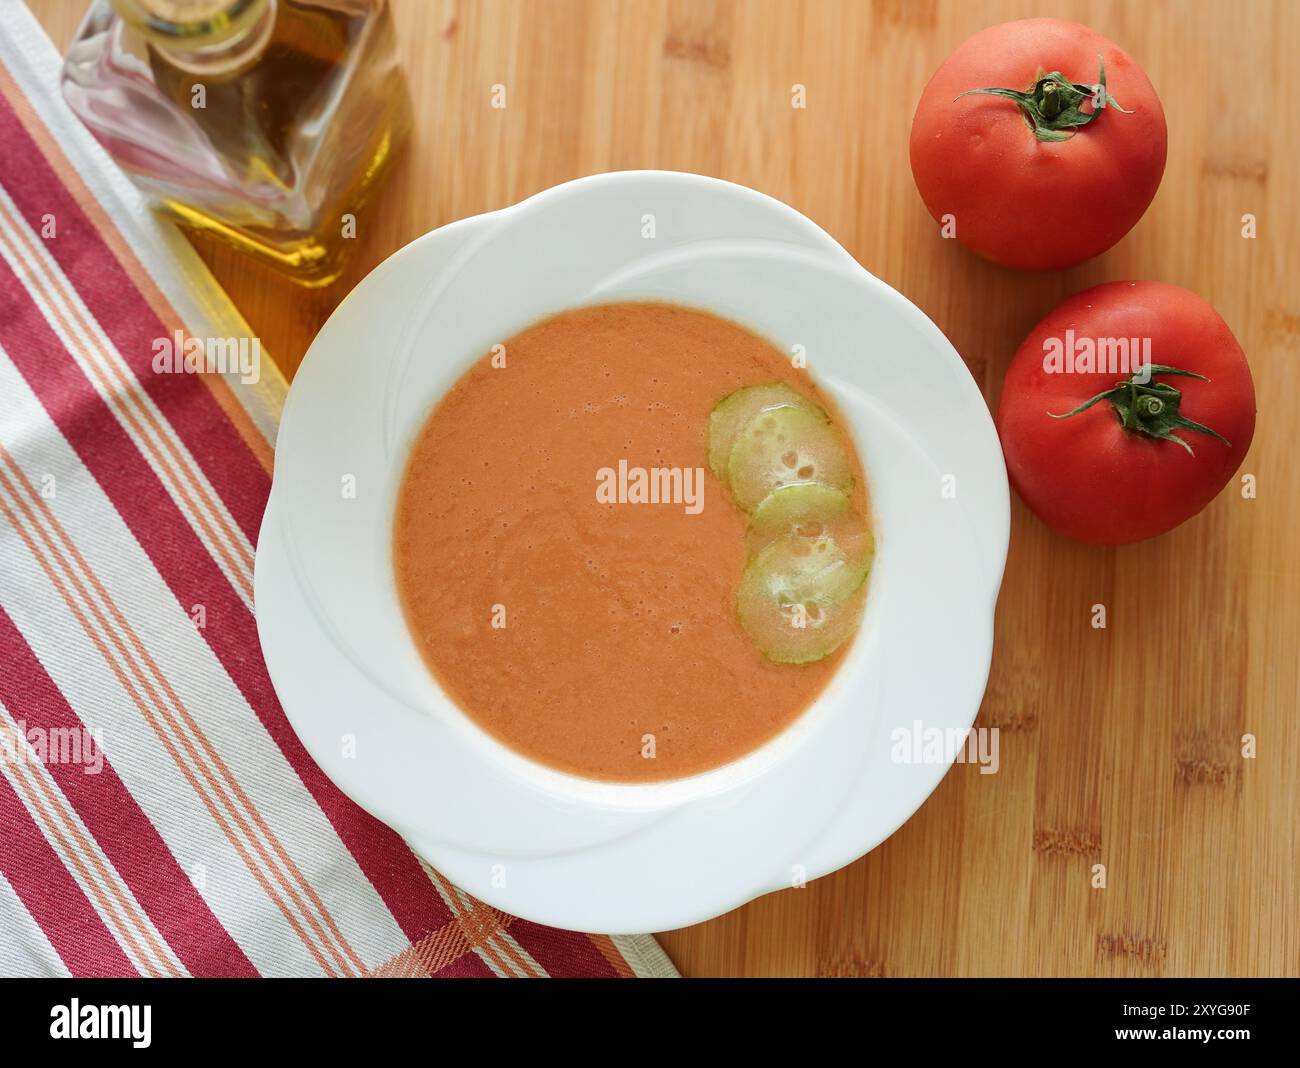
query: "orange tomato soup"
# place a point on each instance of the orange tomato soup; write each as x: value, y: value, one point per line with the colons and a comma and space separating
x: 594, y: 637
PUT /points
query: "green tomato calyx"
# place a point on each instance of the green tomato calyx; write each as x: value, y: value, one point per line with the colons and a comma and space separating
x: 1053, y: 106
x: 1151, y: 408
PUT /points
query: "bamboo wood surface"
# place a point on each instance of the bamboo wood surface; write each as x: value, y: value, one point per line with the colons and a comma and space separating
x: 1119, y: 746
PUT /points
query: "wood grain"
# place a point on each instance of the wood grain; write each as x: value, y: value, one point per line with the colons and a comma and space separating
x: 1120, y: 746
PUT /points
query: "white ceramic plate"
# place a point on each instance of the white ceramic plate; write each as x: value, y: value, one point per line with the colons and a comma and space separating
x: 552, y: 847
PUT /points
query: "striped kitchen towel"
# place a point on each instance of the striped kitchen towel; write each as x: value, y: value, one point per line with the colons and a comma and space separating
x: 157, y: 814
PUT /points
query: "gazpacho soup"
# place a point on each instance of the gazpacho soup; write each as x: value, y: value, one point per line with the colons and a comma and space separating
x: 632, y: 542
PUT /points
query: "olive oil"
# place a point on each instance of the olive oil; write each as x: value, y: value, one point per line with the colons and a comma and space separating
x: 267, y: 124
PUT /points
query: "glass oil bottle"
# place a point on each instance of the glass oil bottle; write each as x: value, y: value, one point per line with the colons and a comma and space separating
x: 267, y: 124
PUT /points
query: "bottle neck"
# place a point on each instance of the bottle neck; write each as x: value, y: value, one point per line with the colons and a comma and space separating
x: 208, y: 37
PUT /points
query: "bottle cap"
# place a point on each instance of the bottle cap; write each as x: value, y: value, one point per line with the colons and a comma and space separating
x: 192, y: 24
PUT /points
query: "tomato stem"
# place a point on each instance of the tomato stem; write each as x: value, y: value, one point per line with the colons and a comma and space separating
x: 1150, y: 408
x: 1050, y: 103
x: 1053, y: 104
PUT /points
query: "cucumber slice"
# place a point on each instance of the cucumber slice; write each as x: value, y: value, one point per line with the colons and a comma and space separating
x: 784, y: 446
x: 809, y: 509
x: 730, y: 415
x: 800, y: 598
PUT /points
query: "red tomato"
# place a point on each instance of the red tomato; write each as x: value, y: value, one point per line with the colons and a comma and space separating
x: 1025, y: 202
x: 1089, y: 476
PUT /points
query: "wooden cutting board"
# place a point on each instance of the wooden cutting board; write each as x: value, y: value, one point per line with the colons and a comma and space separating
x: 1120, y: 746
